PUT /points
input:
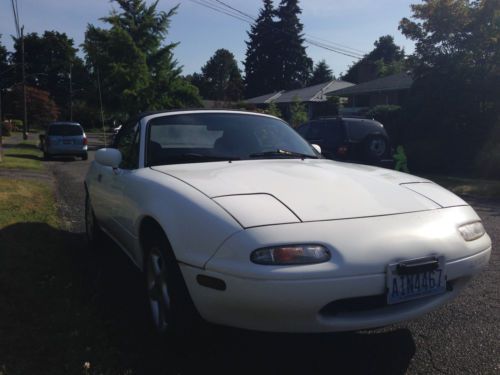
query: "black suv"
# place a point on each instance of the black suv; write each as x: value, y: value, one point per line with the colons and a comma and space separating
x: 350, y: 139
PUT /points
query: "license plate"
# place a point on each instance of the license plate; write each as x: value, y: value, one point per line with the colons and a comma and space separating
x: 415, y: 278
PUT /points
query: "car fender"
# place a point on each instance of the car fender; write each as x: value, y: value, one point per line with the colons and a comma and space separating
x: 194, y: 224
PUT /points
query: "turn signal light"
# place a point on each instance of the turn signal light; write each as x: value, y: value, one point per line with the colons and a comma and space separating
x: 291, y: 255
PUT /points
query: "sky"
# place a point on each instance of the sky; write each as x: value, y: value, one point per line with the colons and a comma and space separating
x: 201, y: 31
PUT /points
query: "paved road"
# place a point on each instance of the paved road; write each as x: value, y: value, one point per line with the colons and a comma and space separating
x: 460, y: 338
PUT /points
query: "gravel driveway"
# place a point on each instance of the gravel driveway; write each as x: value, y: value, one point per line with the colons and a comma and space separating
x: 462, y: 337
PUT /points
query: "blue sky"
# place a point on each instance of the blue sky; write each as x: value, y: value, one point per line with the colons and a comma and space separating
x: 201, y: 31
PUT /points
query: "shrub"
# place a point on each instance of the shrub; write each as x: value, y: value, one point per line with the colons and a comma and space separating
x: 6, y: 128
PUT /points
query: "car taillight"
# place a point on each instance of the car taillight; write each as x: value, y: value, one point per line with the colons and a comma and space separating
x: 342, y: 150
x: 85, y: 142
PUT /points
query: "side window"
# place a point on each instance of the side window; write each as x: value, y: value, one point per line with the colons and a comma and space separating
x: 128, y: 142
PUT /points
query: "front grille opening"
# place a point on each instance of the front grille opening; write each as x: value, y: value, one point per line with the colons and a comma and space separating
x: 357, y: 304
x: 361, y: 304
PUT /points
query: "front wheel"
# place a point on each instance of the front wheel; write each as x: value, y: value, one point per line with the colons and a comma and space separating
x: 170, y: 304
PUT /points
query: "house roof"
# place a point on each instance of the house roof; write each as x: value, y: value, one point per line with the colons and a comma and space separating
x: 264, y: 98
x: 316, y: 93
x: 399, y: 81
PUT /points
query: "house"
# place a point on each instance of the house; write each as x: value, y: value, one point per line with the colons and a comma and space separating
x: 389, y: 90
x: 313, y: 97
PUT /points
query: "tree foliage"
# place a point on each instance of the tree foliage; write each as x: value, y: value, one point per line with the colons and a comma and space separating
x: 385, y: 59
x: 137, y: 70
x: 455, y: 98
x: 221, y: 78
x: 273, y: 110
x: 49, y: 58
x: 295, y: 66
x: 259, y: 63
x: 276, y: 58
x: 298, y: 113
x: 3, y: 59
x: 41, y: 108
x: 321, y: 73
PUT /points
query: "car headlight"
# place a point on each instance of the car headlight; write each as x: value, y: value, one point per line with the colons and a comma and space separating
x: 472, y: 231
x: 291, y: 255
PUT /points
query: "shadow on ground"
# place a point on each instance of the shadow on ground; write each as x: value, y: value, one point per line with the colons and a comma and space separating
x: 24, y: 156
x: 115, y: 339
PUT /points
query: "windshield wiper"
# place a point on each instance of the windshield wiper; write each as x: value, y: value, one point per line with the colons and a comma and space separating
x: 192, y: 158
x: 282, y: 153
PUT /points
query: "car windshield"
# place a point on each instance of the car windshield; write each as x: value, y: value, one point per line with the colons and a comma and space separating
x: 62, y: 129
x: 204, y: 137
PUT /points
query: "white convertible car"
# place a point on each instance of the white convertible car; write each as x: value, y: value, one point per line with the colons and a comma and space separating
x: 234, y: 218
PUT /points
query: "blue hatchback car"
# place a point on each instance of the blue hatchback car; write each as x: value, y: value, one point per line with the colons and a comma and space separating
x: 65, y: 139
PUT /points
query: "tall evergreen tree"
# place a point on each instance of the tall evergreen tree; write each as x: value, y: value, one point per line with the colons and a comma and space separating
x: 294, y: 65
x: 221, y: 78
x: 321, y: 73
x: 137, y: 70
x: 260, y: 69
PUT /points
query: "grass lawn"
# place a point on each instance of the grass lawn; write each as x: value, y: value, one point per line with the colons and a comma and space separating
x: 25, y: 155
x: 48, y: 324
x: 468, y: 186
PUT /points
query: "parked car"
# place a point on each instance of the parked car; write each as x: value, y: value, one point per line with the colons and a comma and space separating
x: 64, y: 139
x: 350, y: 139
x: 234, y: 218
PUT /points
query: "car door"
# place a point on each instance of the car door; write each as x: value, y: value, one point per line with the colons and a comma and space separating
x: 121, y: 180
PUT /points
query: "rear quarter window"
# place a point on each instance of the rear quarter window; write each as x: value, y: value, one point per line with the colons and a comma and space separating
x: 357, y: 130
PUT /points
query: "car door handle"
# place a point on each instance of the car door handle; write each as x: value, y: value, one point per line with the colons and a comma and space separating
x: 99, y: 177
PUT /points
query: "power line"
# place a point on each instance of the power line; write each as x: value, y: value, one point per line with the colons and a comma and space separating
x: 320, y: 43
x: 220, y: 10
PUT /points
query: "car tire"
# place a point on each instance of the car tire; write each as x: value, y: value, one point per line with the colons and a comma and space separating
x: 85, y: 156
x: 92, y: 228
x: 46, y: 156
x: 374, y: 148
x: 171, y: 309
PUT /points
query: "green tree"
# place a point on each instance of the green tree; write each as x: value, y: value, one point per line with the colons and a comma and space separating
x: 137, y: 70
x: 455, y: 97
x: 321, y: 73
x: 298, y: 114
x: 220, y: 78
x: 49, y: 59
x: 294, y: 65
x: 386, y: 58
x: 273, y: 110
x: 260, y: 67
x: 4, y: 64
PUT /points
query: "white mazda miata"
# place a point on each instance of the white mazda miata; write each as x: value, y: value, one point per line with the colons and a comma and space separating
x: 232, y: 216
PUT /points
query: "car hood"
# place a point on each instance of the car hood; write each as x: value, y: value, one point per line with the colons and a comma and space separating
x: 309, y: 190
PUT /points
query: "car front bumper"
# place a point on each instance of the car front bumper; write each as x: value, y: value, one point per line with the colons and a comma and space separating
x: 302, y: 305
x: 303, y: 298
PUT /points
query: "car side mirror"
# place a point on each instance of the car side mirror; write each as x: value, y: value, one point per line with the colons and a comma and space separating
x: 110, y: 157
x: 317, y: 148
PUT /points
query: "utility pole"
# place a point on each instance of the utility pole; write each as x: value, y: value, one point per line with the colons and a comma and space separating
x: 25, y: 127
x: 70, y: 93
x: 100, y: 102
